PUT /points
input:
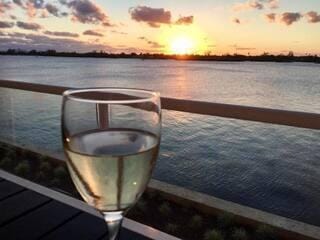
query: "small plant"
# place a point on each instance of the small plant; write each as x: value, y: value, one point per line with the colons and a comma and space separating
x: 239, y: 234
x: 142, y: 205
x: 60, y: 173
x: 41, y: 176
x: 225, y: 220
x: 45, y: 167
x: 56, y: 182
x: 171, y: 228
x: 165, y: 209
x: 22, y: 169
x: 196, y: 222
x: 213, y: 235
x: 6, y: 162
x: 43, y: 158
x: 265, y: 232
x: 151, y: 194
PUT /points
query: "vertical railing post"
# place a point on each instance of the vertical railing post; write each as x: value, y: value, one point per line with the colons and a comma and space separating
x: 103, y: 115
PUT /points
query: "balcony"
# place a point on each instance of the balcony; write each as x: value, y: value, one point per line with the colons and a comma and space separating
x: 249, y: 217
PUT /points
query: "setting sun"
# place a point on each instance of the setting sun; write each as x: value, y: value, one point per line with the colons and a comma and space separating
x: 182, y: 45
x: 183, y: 40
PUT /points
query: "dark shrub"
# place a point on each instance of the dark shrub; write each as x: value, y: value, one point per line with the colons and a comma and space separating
x: 213, y: 235
x: 171, y: 228
x: 196, y: 222
x: 225, y: 220
x: 265, y: 232
x: 165, y: 209
x: 239, y: 234
x: 22, y: 169
x: 45, y: 167
x: 6, y: 162
x: 60, y: 173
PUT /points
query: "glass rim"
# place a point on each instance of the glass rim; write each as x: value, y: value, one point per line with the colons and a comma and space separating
x: 152, y: 95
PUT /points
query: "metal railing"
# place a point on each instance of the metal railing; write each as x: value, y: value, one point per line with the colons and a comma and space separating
x: 265, y: 115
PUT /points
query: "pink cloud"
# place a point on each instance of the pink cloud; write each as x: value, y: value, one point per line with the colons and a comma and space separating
x: 312, y: 17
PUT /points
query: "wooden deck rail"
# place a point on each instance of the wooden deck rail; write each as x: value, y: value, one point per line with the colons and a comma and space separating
x: 265, y: 115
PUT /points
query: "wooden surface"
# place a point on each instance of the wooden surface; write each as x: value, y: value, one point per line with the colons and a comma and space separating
x: 28, y: 215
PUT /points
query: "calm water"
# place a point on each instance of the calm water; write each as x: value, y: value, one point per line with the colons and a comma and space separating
x: 265, y: 166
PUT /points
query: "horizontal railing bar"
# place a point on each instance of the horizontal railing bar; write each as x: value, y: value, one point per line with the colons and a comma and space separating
x: 265, y: 115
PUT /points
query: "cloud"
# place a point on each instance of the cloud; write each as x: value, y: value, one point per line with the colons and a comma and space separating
x: 43, y: 43
x: 185, y: 20
x: 18, y: 2
x: 250, y: 4
x: 61, y: 34
x: 312, y: 17
x: 4, y: 24
x: 31, y: 9
x: 273, y: 4
x: 256, y: 4
x: 290, y: 17
x: 245, y: 48
x: 238, y: 48
x: 4, y: 6
x: 236, y: 20
x: 154, y: 17
x: 155, y: 44
x: 29, y: 26
x: 85, y: 11
x: 52, y: 9
x: 271, y: 17
x: 152, y: 44
x: 118, y: 32
x: 93, y: 33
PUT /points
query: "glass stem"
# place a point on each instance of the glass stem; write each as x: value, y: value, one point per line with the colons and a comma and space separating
x: 114, y: 221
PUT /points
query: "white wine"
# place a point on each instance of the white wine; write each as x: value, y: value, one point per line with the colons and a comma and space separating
x: 111, y: 168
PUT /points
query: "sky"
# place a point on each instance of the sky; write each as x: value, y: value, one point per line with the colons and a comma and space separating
x: 174, y: 27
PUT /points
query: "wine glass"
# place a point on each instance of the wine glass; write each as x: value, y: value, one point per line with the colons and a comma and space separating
x: 111, y: 138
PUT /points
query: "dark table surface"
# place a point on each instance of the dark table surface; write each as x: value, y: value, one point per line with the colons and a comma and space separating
x: 25, y: 214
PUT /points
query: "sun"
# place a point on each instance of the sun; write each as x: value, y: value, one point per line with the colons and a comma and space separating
x: 182, y: 40
x: 182, y: 45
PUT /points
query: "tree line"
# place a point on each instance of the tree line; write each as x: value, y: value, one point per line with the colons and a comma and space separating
x: 265, y: 57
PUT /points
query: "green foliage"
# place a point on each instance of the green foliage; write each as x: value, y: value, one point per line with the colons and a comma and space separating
x: 196, y: 222
x: 45, y: 167
x: 213, y: 235
x: 142, y: 205
x: 43, y: 158
x: 56, y: 182
x: 60, y: 173
x: 171, y: 228
x: 265, y: 232
x: 6, y: 162
x: 41, y: 176
x: 225, y: 220
x: 151, y: 194
x: 165, y: 209
x: 22, y: 169
x: 239, y: 234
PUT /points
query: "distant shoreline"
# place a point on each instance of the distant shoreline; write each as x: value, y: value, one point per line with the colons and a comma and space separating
x: 148, y: 56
